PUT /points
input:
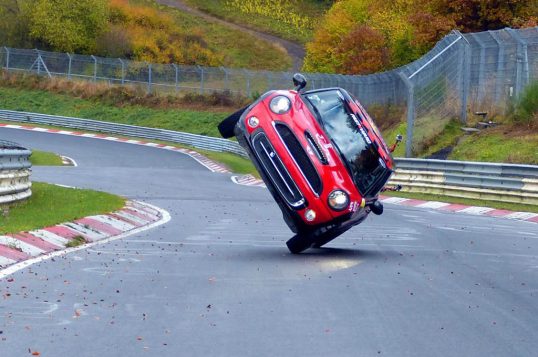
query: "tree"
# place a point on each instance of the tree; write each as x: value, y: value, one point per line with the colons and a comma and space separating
x: 483, y: 15
x: 14, y: 23
x: 68, y: 26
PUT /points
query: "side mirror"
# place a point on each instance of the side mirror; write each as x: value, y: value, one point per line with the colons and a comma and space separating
x: 399, y: 139
x: 299, y: 81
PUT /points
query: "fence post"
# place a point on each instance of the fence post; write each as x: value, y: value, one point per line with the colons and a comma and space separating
x: 176, y: 69
x: 7, y: 58
x: 522, y: 57
x: 226, y: 84
x: 38, y: 62
x: 201, y: 79
x: 69, y: 65
x: 481, y: 69
x: 94, y: 68
x: 410, y: 114
x: 122, y: 71
x: 249, y: 93
x: 499, y: 78
x: 465, y: 75
x: 149, y: 77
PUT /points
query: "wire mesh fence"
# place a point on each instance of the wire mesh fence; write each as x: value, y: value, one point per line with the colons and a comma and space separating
x: 462, y: 73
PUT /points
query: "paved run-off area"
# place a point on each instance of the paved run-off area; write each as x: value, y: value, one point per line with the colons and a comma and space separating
x: 218, y: 279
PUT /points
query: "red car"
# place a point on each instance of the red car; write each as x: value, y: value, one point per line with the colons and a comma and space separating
x: 320, y: 155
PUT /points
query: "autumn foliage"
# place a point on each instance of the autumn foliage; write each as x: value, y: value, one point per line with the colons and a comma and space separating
x: 146, y: 34
x: 366, y: 36
x: 113, y: 28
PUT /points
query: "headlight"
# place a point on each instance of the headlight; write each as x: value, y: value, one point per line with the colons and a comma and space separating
x: 280, y: 104
x: 253, y: 122
x: 310, y: 215
x: 338, y: 200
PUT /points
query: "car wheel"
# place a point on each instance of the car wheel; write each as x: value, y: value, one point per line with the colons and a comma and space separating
x: 328, y: 236
x: 299, y: 243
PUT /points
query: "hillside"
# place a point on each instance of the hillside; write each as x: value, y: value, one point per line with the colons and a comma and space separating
x: 138, y: 29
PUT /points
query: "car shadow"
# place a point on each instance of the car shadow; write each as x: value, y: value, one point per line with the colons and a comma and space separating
x: 317, y: 254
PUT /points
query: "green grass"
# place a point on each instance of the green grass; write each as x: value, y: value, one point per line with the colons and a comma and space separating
x: 45, y: 158
x: 464, y: 201
x: 76, y: 241
x: 496, y: 146
x: 237, y: 48
x: 235, y: 163
x: 48, y: 206
x: 38, y: 101
x: 265, y: 21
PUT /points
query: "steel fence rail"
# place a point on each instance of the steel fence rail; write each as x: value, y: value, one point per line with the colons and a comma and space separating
x: 15, y: 184
x: 492, y: 181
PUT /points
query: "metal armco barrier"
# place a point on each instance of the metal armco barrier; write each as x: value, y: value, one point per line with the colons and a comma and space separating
x: 15, y: 167
x: 198, y: 141
x: 491, y: 181
x: 478, y: 180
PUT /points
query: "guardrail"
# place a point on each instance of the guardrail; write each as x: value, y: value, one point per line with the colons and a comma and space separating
x: 15, y: 167
x: 197, y: 141
x: 491, y: 181
x: 478, y: 180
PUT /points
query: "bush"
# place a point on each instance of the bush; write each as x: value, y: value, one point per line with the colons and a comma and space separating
x: 526, y: 108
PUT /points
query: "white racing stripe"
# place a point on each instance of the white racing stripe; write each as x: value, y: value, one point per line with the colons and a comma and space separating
x: 5, y: 261
x: 476, y: 210
x: 394, y: 200
x: 93, y: 235
x: 50, y: 237
x: 121, y: 225
x: 25, y: 247
x: 131, y: 217
x: 433, y: 204
x: 521, y: 215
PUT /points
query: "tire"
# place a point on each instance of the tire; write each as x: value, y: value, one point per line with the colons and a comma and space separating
x: 328, y: 236
x: 299, y: 243
x: 226, y: 127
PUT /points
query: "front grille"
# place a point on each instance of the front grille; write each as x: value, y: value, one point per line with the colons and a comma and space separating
x: 301, y: 158
x: 276, y: 171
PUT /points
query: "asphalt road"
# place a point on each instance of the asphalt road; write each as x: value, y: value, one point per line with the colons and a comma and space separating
x: 217, y: 280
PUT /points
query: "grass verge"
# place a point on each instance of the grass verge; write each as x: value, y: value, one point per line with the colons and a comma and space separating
x: 40, y: 101
x: 45, y: 158
x: 47, y: 206
x: 464, y: 201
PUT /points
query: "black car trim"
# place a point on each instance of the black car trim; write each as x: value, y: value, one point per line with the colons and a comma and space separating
x: 317, y: 192
x: 299, y: 203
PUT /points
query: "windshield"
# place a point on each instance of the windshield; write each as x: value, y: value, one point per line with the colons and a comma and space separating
x: 351, y: 140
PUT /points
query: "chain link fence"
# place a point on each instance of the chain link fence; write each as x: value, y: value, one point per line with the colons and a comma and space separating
x: 472, y: 72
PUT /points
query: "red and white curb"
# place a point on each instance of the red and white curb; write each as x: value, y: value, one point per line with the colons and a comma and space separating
x: 20, y: 250
x: 458, y: 208
x: 209, y: 164
x: 249, y: 180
